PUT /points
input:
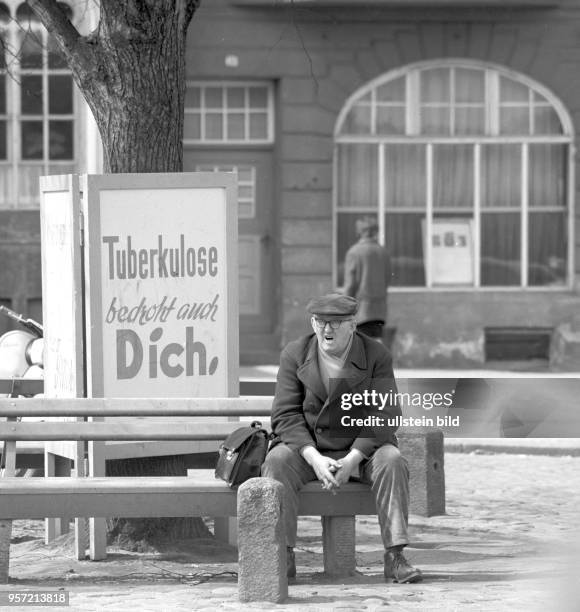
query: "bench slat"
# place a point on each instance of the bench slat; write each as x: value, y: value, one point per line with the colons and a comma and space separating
x: 119, y: 430
x: 145, y: 496
x: 201, y: 407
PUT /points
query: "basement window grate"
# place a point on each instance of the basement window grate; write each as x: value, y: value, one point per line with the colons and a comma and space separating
x: 517, y: 343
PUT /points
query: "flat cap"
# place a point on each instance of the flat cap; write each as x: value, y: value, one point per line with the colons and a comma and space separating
x: 332, y: 305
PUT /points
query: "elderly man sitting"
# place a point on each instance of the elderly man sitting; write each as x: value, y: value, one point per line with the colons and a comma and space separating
x: 310, y: 444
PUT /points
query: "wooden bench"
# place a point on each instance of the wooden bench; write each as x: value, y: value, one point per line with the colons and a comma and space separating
x: 200, y: 495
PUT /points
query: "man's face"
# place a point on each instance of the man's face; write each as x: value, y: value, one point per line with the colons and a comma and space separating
x: 333, y: 341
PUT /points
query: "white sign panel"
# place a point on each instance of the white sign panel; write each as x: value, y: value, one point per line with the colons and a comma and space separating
x: 451, y: 252
x: 61, y: 286
x: 163, y: 307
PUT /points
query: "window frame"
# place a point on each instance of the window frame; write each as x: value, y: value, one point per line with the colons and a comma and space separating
x: 14, y: 164
x: 492, y: 75
x: 247, y: 109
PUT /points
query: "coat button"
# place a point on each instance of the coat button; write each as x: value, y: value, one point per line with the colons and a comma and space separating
x: 319, y: 430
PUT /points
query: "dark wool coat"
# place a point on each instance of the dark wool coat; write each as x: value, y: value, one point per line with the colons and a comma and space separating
x: 303, y: 413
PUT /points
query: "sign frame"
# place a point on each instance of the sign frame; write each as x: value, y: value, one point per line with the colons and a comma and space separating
x: 92, y: 186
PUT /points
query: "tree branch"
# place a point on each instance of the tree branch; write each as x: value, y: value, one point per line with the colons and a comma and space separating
x: 72, y: 45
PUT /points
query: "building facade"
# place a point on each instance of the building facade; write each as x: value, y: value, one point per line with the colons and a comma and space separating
x: 453, y: 122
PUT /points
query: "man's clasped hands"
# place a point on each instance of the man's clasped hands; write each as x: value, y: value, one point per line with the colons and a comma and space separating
x: 332, y: 473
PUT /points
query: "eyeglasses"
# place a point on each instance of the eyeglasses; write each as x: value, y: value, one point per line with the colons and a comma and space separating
x: 334, y: 323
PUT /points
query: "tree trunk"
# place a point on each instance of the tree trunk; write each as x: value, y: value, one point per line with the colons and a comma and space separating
x: 138, y: 106
x: 131, y: 71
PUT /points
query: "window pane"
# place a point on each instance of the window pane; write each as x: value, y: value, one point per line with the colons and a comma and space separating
x: 245, y: 173
x: 514, y: 120
x: 358, y: 176
x: 258, y: 126
x: 31, y: 143
x: 236, y: 126
x: 469, y: 121
x: 435, y: 120
x: 258, y: 97
x: 192, y: 126
x: 31, y: 95
x: 60, y: 95
x: 3, y: 146
x: 512, y: 91
x: 193, y: 97
x: 60, y: 135
x: 393, y: 91
x: 404, y: 239
x: 547, y: 248
x: 358, y: 120
x: 236, y: 97
x: 28, y: 175
x: 390, y: 120
x: 55, y: 58
x: 405, y: 176
x: 452, y: 176
x: 500, y: 249
x: 2, y: 94
x: 548, y: 175
x: 4, y: 14
x: 501, y: 183
x: 6, y: 186
x: 214, y: 97
x: 214, y: 126
x: 546, y: 121
x: 435, y: 85
x: 469, y: 85
x: 31, y: 50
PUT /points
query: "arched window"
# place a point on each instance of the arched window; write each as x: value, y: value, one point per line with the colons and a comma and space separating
x: 468, y: 168
x: 37, y: 108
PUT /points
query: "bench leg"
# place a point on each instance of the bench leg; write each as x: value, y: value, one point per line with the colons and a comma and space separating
x: 338, y: 542
x: 6, y: 525
x: 225, y: 529
x: 262, y: 542
x: 5, y: 535
x: 55, y: 466
x: 97, y: 526
x: 81, y: 524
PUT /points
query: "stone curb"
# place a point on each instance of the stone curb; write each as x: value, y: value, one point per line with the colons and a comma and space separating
x: 515, y: 446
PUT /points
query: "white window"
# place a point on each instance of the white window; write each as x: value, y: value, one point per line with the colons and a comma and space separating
x: 246, y: 175
x: 230, y: 112
x: 37, y: 107
x: 475, y: 157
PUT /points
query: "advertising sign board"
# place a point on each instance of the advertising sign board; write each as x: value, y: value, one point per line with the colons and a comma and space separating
x: 161, y: 274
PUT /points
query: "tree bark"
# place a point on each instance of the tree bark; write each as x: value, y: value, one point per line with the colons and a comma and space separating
x: 131, y: 72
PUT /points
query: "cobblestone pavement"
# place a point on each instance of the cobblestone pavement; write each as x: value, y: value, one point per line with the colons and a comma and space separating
x: 510, y: 541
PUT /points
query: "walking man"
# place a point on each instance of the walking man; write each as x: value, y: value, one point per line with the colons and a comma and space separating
x: 367, y: 274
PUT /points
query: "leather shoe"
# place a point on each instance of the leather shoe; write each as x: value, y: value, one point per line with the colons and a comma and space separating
x: 290, y: 562
x: 397, y: 568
